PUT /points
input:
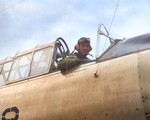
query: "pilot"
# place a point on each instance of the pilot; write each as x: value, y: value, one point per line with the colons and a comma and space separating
x: 83, y: 48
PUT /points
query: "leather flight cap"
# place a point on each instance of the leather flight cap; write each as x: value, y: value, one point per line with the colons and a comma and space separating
x: 84, y: 40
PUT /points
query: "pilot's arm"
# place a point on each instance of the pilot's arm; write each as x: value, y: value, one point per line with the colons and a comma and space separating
x: 69, y: 62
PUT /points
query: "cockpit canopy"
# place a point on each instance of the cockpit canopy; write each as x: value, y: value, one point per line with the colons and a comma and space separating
x: 35, y: 61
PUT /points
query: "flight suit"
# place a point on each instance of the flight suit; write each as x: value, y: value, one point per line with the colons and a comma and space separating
x: 71, y: 61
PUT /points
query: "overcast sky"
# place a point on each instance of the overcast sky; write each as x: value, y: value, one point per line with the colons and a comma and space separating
x: 26, y: 23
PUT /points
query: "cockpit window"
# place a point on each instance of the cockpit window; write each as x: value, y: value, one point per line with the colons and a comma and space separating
x: 103, y: 45
x: 1, y: 76
x: 40, y: 61
x: 20, y: 67
x: 6, y: 69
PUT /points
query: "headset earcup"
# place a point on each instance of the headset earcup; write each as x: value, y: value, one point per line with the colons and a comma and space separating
x: 77, y: 47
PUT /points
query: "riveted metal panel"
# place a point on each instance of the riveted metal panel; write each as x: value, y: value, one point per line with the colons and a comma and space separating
x: 78, y: 95
x: 144, y: 75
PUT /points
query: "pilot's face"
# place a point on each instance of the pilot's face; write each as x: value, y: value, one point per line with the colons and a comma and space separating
x: 84, y: 48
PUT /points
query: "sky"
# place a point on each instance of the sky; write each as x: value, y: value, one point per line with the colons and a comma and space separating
x: 26, y: 23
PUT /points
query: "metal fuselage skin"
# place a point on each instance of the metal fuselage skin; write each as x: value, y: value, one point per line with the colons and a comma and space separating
x: 120, y: 91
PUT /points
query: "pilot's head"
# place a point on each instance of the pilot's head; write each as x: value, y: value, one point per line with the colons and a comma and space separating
x: 83, y: 46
